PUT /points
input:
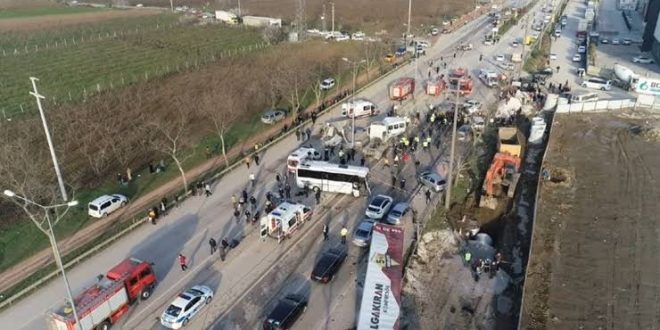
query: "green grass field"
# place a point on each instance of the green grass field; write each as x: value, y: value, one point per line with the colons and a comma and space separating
x: 143, y: 48
x: 43, y: 11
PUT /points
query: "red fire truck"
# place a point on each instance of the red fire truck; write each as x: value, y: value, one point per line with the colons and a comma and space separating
x: 402, y: 88
x: 460, y: 80
x: 104, y: 303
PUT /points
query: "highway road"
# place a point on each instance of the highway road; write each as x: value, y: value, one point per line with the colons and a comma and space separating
x: 257, y: 272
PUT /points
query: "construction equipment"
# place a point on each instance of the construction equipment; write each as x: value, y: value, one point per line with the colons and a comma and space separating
x: 504, y: 171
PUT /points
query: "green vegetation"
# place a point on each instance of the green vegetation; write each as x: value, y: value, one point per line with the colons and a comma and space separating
x: 99, y: 60
x: 538, y: 58
x: 43, y: 11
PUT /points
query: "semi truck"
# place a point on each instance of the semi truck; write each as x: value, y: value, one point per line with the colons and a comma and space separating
x: 105, y: 302
x: 402, y: 89
x: 381, y: 299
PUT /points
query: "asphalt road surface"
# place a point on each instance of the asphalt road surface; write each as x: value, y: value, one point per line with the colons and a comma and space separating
x: 257, y: 272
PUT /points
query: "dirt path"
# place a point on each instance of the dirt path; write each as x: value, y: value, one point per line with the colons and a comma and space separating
x: 595, y: 257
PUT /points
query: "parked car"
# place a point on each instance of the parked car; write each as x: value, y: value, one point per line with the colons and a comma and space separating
x: 642, y: 59
x: 273, y: 116
x: 389, y: 58
x: 464, y: 133
x: 553, y: 56
x: 186, y: 306
x: 615, y: 42
x: 515, y: 44
x: 400, y: 51
x: 597, y: 83
x: 106, y: 204
x: 379, y: 206
x: 286, y: 312
x: 471, y: 106
x: 604, y: 41
x: 581, y: 49
x: 577, y: 58
x: 434, y: 31
x: 432, y: 181
x: 327, y: 84
x: 398, y: 212
x: 362, y: 234
x: 499, y: 58
x: 626, y: 42
x: 326, y: 268
x: 478, y: 123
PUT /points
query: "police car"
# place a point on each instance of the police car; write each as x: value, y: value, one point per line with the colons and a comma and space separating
x: 185, y: 306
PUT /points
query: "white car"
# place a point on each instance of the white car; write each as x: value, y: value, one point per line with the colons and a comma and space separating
x: 273, y: 116
x: 179, y: 313
x: 106, y: 204
x: 581, y: 49
x: 434, y: 31
x: 642, y: 59
x: 553, y: 56
x: 499, y: 58
x: 327, y: 84
x: 515, y: 44
x: 379, y: 207
x: 615, y: 42
x: 472, y: 105
x: 577, y: 58
x: 359, y: 36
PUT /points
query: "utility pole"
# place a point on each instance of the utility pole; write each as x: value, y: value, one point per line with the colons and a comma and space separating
x: 38, y: 96
x: 333, y: 18
x: 409, y: 11
x: 300, y: 17
x: 172, y: 5
x: 323, y: 23
x: 524, y: 41
x: 239, y: 8
x: 450, y: 176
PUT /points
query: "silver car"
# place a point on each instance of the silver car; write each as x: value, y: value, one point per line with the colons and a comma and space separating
x: 432, y: 181
x: 186, y: 306
x: 379, y: 206
x: 362, y: 234
x: 273, y: 116
x: 398, y: 212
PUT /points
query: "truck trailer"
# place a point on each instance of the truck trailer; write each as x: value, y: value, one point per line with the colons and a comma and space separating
x: 105, y: 302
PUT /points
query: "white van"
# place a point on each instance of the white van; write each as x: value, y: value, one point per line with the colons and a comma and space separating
x: 597, y: 83
x: 106, y: 204
x: 299, y: 156
x: 388, y: 128
x: 359, y: 108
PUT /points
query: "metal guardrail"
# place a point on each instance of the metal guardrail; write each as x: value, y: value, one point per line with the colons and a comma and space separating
x: 138, y: 221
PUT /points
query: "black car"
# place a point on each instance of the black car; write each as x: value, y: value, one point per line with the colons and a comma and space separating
x: 328, y: 265
x: 286, y: 312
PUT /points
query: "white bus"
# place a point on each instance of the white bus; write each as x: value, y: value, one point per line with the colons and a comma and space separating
x: 334, y: 178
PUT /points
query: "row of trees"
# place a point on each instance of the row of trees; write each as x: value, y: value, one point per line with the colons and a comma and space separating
x: 146, y: 122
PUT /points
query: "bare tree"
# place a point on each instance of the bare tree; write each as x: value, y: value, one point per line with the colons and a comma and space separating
x: 221, y: 114
x: 294, y: 79
x: 173, y: 137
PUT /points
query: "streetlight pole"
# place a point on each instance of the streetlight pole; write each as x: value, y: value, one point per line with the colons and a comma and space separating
x: 355, y: 66
x: 409, y: 12
x: 38, y: 96
x: 53, y: 243
x: 457, y: 91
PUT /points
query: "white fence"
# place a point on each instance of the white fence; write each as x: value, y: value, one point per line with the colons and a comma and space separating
x: 605, y: 106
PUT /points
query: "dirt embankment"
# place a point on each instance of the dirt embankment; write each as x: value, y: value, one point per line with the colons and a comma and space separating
x: 594, y: 261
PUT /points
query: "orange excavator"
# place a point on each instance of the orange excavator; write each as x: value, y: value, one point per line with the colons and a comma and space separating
x: 501, y: 178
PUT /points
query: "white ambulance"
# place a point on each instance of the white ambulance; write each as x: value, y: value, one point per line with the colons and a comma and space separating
x: 359, y: 108
x: 285, y: 220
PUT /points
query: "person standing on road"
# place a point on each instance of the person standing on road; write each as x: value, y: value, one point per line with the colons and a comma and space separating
x: 256, y: 159
x: 247, y: 162
x: 343, y: 234
x: 325, y: 232
x: 428, y: 196
x: 402, y: 184
x: 207, y: 189
x: 297, y: 134
x: 278, y: 178
x: 234, y: 201
x: 287, y: 190
x: 183, y: 262
x: 317, y: 194
x: 393, y: 180
x: 362, y: 161
x: 253, y: 202
x: 252, y: 179
x: 213, y: 244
